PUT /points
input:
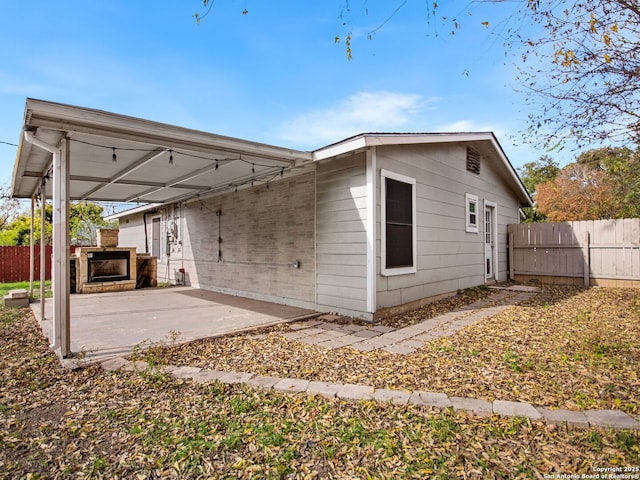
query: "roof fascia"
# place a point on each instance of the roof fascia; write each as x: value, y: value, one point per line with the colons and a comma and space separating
x: 373, y: 139
x: 528, y: 201
x: 341, y: 148
x: 133, y: 211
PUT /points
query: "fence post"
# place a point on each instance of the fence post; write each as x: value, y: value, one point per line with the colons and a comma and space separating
x: 585, y: 256
x: 511, y: 267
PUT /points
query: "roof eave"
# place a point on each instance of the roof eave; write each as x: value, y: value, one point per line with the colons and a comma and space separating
x: 133, y: 211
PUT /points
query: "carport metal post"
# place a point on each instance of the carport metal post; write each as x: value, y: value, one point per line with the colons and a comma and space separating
x: 32, y: 250
x: 60, y: 263
x: 43, y: 245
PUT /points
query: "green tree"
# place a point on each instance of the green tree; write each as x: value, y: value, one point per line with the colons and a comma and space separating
x: 601, y: 183
x: 621, y: 166
x: 84, y: 220
x: 18, y: 231
x: 538, y: 171
x: 532, y: 174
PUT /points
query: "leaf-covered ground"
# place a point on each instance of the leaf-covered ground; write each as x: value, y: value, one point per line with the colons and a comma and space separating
x: 95, y: 424
x: 566, y: 347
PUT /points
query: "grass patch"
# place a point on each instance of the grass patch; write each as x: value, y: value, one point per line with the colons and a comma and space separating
x: 6, y: 287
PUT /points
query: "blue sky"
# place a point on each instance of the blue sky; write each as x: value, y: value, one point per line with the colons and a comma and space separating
x: 273, y: 75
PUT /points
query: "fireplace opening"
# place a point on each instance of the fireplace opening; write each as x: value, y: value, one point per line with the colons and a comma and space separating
x: 108, y: 266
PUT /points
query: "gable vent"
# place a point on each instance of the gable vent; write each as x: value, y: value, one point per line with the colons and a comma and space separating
x: 473, y: 161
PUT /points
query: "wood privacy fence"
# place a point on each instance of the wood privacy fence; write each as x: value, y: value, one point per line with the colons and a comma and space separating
x: 595, y: 252
x: 14, y: 263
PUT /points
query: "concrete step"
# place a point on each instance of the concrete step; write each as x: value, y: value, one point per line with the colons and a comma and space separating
x: 18, y: 293
x: 20, y: 302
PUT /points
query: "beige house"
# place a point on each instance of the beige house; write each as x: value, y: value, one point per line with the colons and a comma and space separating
x: 375, y: 222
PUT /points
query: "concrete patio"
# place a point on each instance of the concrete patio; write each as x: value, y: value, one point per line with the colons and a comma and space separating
x: 106, y: 325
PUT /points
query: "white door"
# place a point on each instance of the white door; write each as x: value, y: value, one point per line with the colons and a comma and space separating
x: 155, y: 237
x: 489, y: 242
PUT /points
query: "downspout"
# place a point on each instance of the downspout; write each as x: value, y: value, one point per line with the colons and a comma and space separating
x: 30, y: 138
x: 61, y: 320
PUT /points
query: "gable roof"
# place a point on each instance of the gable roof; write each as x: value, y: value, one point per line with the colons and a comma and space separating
x: 485, y: 139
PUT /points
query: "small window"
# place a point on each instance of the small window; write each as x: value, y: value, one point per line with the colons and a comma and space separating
x: 398, y: 205
x: 471, y: 213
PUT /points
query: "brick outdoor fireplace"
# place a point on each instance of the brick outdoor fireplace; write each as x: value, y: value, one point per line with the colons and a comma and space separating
x: 107, y: 267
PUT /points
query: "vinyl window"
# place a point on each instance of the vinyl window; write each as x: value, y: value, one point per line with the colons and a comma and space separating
x: 471, y: 213
x: 398, y: 205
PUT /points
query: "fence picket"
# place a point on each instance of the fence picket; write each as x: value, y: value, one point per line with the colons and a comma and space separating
x: 14, y: 263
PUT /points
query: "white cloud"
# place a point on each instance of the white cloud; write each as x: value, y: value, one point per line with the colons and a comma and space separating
x: 361, y: 112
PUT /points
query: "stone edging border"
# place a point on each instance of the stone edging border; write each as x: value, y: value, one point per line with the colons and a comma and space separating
x: 614, y: 419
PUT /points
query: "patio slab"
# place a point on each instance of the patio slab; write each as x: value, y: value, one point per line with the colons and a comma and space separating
x: 107, y: 325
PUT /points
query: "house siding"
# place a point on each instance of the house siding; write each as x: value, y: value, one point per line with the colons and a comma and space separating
x: 263, y: 233
x: 319, y: 218
x: 132, y: 232
x: 448, y: 257
x: 341, y: 237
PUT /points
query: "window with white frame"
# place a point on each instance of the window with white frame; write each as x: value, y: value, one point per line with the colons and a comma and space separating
x: 471, y: 213
x: 398, y: 208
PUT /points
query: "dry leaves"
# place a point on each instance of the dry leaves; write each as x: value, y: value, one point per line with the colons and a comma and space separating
x: 94, y: 424
x: 567, y: 347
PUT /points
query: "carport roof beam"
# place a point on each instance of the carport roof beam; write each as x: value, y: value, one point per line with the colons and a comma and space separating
x: 147, y: 158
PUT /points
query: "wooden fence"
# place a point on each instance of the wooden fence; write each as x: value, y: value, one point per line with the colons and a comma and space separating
x: 598, y: 252
x: 14, y: 263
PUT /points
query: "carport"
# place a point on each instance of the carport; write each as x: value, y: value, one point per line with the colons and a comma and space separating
x: 71, y: 153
